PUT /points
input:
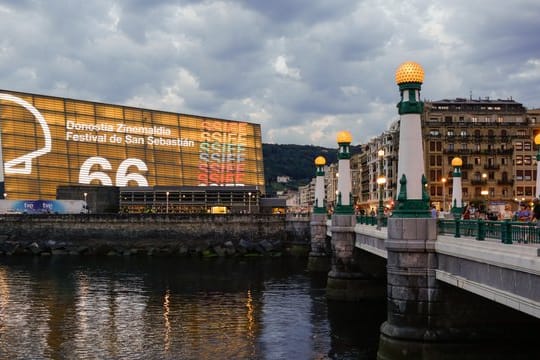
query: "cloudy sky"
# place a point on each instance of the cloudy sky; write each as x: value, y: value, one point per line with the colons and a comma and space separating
x: 303, y: 69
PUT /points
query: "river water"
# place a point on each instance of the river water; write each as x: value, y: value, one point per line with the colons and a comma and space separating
x: 69, y: 307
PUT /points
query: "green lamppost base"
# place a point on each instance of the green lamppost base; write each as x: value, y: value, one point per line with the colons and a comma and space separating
x: 319, y: 210
x: 344, y: 209
x: 456, y: 212
x: 412, y: 209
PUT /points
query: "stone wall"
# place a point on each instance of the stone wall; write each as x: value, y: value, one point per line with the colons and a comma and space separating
x: 175, y: 234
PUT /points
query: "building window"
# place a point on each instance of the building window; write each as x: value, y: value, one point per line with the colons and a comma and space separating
x: 434, y: 132
x: 477, y: 161
x: 450, y: 147
x: 463, y: 133
x: 527, y: 175
x: 450, y: 132
x: 463, y: 146
x: 527, y: 160
x: 527, y: 146
x: 519, y: 175
x: 518, y: 145
x: 474, y: 119
x: 519, y: 160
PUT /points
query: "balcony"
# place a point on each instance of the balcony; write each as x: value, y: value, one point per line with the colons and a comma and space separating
x: 478, y: 182
x: 507, y: 182
x: 492, y: 167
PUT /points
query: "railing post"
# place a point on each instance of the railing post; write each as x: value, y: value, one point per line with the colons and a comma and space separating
x: 458, y: 234
x: 481, y: 235
x: 506, y: 232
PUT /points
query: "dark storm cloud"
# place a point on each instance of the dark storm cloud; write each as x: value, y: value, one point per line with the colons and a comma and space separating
x: 302, y: 69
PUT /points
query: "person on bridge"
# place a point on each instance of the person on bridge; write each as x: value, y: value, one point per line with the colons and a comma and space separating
x: 536, y: 212
x: 525, y: 213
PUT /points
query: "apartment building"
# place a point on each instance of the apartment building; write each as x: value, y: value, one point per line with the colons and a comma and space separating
x: 494, y: 139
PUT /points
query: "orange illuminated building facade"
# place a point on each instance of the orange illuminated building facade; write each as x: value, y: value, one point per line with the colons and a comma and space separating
x: 50, y: 141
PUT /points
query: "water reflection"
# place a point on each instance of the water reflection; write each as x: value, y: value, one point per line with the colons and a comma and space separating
x: 168, y: 308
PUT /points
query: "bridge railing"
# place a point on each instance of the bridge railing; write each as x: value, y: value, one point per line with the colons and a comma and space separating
x: 506, y: 231
x: 371, y: 220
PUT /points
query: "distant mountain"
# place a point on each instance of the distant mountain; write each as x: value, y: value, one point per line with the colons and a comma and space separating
x: 295, y: 161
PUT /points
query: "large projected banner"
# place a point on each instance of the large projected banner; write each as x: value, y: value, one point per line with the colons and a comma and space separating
x: 50, y: 141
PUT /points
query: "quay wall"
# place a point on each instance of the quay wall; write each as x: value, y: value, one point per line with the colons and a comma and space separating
x: 125, y: 234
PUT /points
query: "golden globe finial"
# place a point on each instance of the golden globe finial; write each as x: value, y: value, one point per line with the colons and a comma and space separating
x: 320, y: 161
x: 344, y: 137
x: 457, y: 162
x: 537, y: 139
x: 409, y: 72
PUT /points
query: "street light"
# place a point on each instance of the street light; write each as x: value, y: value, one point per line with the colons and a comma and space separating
x: 85, y: 202
x: 249, y: 202
x: 5, y: 195
x: 443, y: 194
x: 537, y: 143
x: 381, y: 180
x: 167, y: 202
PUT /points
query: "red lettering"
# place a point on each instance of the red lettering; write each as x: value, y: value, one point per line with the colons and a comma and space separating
x: 203, y: 178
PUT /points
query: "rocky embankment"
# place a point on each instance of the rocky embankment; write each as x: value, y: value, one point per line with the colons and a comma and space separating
x: 165, y: 235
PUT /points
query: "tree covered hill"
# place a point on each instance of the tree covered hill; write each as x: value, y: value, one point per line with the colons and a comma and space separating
x: 295, y: 161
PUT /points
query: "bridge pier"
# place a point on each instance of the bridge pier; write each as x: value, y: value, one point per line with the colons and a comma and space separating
x: 347, y: 279
x: 412, y: 290
x: 319, y: 255
x: 429, y: 319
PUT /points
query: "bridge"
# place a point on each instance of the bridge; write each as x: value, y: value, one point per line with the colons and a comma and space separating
x: 445, y: 282
x: 506, y: 273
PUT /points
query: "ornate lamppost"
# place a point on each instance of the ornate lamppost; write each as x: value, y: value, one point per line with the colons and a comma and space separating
x: 412, y: 199
x: 457, y: 201
x: 443, y: 180
x: 381, y: 180
x: 537, y: 143
x: 320, y: 203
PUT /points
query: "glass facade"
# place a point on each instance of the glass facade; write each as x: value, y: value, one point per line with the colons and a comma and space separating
x: 49, y: 141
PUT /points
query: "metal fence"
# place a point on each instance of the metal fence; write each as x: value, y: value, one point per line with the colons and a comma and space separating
x: 508, y: 232
x: 371, y: 220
